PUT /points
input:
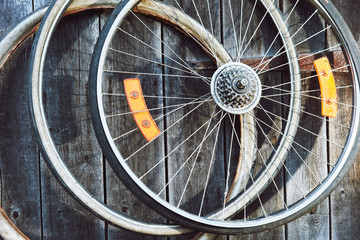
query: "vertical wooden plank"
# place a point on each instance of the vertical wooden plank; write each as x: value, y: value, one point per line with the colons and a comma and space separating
x: 14, y: 94
x: 256, y: 40
x: 176, y: 45
x: 300, y: 180
x: 349, y: 10
x: 19, y: 163
x: 117, y: 195
x: 65, y: 77
x: 345, y: 216
x: 121, y: 199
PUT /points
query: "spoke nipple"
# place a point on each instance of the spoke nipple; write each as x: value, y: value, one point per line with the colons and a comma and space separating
x: 134, y: 94
x: 146, y: 123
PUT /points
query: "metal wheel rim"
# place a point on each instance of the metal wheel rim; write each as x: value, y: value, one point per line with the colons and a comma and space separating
x: 235, y: 205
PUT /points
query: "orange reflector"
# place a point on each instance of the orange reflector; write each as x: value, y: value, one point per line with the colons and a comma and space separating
x: 139, y: 109
x: 327, y: 87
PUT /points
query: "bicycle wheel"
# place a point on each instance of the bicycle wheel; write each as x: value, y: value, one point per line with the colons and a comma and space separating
x: 54, y: 160
x: 64, y: 175
x: 208, y: 42
x: 124, y: 76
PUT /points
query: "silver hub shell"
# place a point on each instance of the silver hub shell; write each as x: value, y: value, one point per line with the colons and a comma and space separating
x: 236, y: 88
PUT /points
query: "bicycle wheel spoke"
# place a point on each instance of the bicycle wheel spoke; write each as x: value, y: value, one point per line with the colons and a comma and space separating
x: 186, y: 31
x: 211, y: 22
x: 296, y: 143
x: 309, y: 96
x: 294, y: 181
x: 211, y: 52
x: 304, y: 129
x: 154, y: 74
x: 226, y: 192
x: 206, y: 135
x: 302, y: 79
x: 157, y: 63
x: 177, y: 147
x: 202, y: 24
x: 266, y: 166
x: 195, y: 154
x: 148, y: 96
x: 246, y: 31
x: 303, y: 91
x: 172, y: 125
x: 299, y: 59
x: 251, y: 176
x: 311, y: 114
x: 287, y: 18
x: 254, y: 34
x: 154, y: 109
x: 279, y: 52
x: 233, y: 26
x: 211, y: 164
x: 183, y: 64
x: 292, y: 147
x: 158, y: 118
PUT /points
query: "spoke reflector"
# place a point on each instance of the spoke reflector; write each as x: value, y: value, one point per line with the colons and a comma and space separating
x: 327, y: 87
x: 139, y: 110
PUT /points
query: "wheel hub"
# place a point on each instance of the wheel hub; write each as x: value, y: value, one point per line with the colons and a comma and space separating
x: 236, y: 88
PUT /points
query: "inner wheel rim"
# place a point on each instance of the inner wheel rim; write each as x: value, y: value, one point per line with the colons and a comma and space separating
x: 236, y: 88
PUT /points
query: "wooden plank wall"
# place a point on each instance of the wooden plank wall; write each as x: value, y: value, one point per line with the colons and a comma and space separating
x: 37, y: 203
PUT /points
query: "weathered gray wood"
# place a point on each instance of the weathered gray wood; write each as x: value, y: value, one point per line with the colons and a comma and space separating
x: 316, y: 224
x: 296, y: 20
x: 345, y: 216
x: 19, y: 155
x: 118, y: 196
x: 349, y: 10
x: 63, y: 217
x: 256, y: 42
x: 12, y: 12
x: 191, y: 52
x: 306, y: 170
x: 66, y: 77
x: 19, y: 159
x: 344, y: 213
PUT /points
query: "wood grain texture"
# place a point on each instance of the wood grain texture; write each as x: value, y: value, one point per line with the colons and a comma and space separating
x: 19, y: 165
x: 188, y: 50
x: 344, y: 201
x: 40, y: 207
x: 305, y: 172
x: 262, y: 38
x: 19, y: 159
x: 205, y: 171
x: 345, y: 216
x: 12, y: 11
x: 117, y: 195
x: 300, y: 178
x: 349, y: 10
x: 66, y: 80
